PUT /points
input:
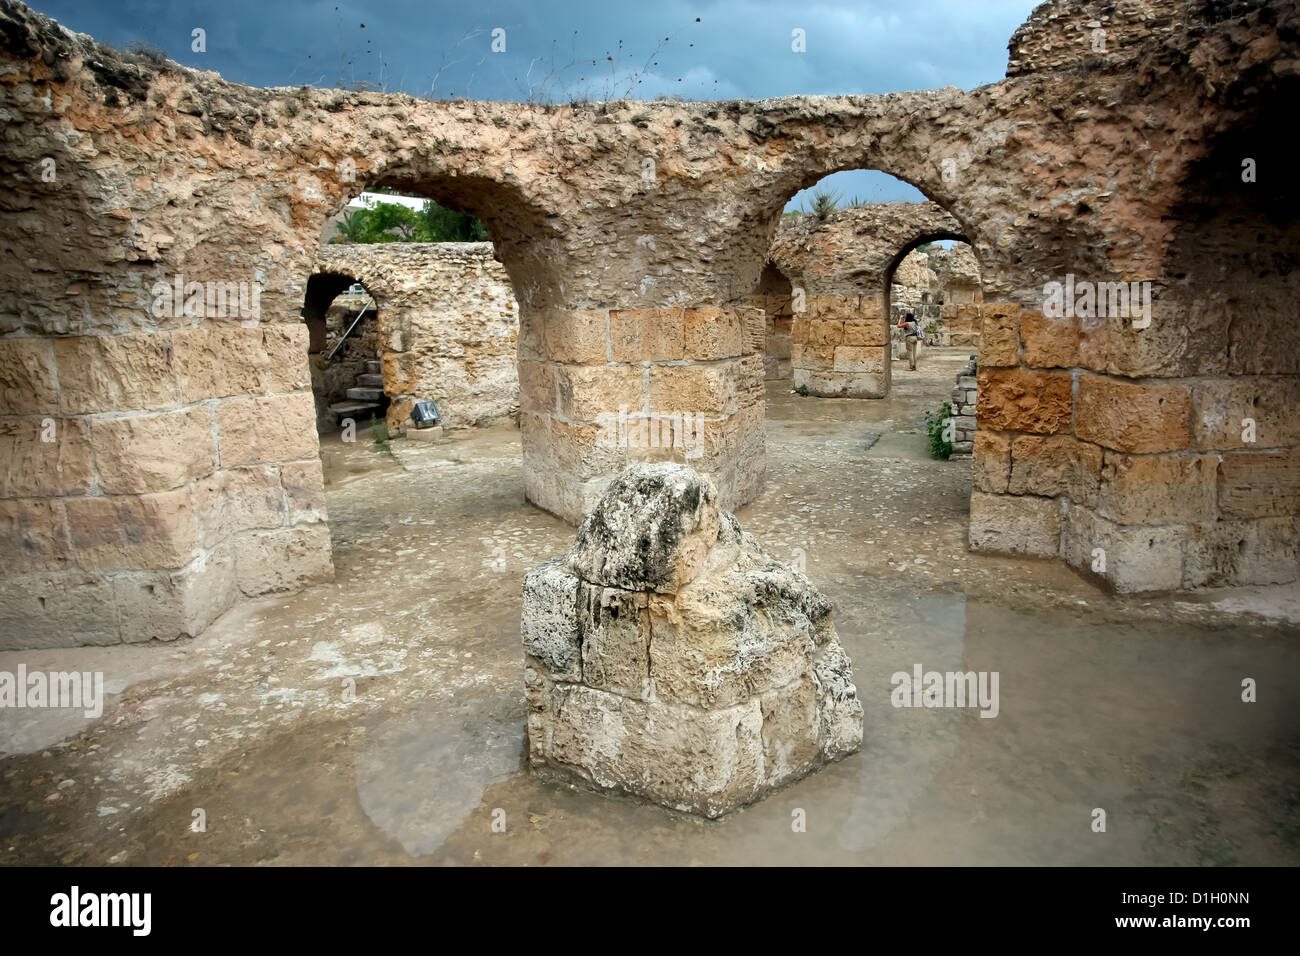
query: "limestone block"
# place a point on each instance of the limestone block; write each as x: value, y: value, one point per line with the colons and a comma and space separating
x: 304, y: 489
x: 577, y: 336
x: 859, y: 359
x: 1238, y: 553
x: 587, y: 392
x: 27, y: 377
x: 219, y: 362
x: 153, y: 452
x: 36, y: 468
x: 266, y: 428
x: 713, y: 334
x: 1024, y: 400
x: 33, y: 535
x: 131, y: 532
x: 1158, y: 489
x: 826, y: 332
x: 698, y: 389
x: 1218, y: 408
x: 1015, y: 525
x: 999, y: 334
x: 865, y: 332
x: 647, y: 335
x: 1048, y: 342
x: 549, y: 623
x: 831, y: 384
x: 109, y: 373
x: 1055, y: 465
x: 1130, y: 417
x: 1137, y: 558
x: 68, y: 608
x: 285, y: 345
x: 685, y: 526
x: 286, y: 560
x: 162, y: 605
x: 670, y: 657
x: 1259, y: 484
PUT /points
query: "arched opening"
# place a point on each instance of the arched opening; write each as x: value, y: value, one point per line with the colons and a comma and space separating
x: 342, y: 319
x: 775, y: 296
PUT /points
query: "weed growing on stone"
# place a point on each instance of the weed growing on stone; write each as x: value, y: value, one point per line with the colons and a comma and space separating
x: 379, y: 433
x: 938, y: 431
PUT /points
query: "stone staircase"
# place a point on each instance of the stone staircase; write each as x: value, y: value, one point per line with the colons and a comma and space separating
x: 364, y: 399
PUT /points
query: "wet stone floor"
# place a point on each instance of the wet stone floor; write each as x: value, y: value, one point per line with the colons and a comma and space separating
x: 379, y: 719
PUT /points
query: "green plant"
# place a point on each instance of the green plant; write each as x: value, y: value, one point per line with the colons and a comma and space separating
x: 823, y: 203
x: 931, y: 329
x: 938, y: 429
x: 803, y: 390
x: 379, y: 433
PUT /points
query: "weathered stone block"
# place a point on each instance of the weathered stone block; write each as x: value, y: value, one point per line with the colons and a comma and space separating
x: 699, y: 389
x: 1159, y: 489
x: 1134, y: 558
x: 1126, y: 416
x: 304, y: 490
x: 68, y: 608
x: 713, y: 334
x: 866, y: 332
x: 33, y: 535
x: 1259, y: 484
x: 586, y: 392
x: 1055, y: 465
x: 132, y: 532
x: 1048, y: 342
x: 549, y: 623
x: 219, y: 362
x: 1240, y: 553
x: 112, y: 373
x: 1015, y: 525
x: 27, y: 377
x: 288, y: 560
x: 285, y: 344
x: 825, y: 332
x: 1220, y: 408
x: 999, y: 334
x: 647, y: 335
x: 36, y: 468
x: 858, y: 359
x: 670, y: 657
x: 265, y: 429
x: 1024, y: 400
x: 577, y: 336
x: 153, y: 452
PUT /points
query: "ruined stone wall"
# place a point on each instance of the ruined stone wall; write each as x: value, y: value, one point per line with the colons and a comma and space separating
x: 1120, y: 166
x: 845, y: 265
x: 330, y: 380
x: 774, y: 295
x: 447, y: 330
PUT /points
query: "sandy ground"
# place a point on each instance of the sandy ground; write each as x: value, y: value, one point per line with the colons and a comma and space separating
x: 379, y: 718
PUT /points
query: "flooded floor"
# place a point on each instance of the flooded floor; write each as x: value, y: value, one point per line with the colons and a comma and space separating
x: 379, y: 718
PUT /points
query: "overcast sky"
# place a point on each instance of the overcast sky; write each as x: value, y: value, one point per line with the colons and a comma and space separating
x: 736, y: 48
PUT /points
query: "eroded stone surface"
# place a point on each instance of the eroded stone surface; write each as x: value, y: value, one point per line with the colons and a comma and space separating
x: 669, y: 656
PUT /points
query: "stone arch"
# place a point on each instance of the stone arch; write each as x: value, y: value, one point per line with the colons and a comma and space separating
x: 841, y: 346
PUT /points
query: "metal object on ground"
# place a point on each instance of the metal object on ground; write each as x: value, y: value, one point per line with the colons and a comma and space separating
x: 425, y: 414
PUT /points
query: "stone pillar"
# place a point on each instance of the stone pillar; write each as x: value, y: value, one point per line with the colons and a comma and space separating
x: 840, y: 346
x: 152, y: 479
x: 602, y: 388
x: 668, y: 656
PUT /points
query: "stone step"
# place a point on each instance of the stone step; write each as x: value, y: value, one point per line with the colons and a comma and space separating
x: 359, y: 412
x: 362, y: 394
x: 372, y: 379
x: 374, y: 368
